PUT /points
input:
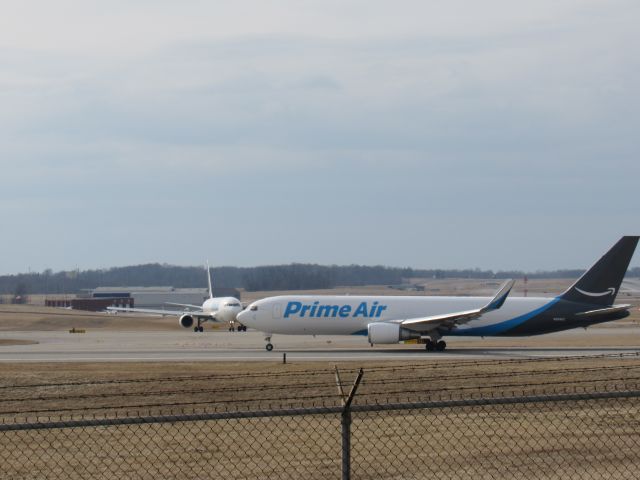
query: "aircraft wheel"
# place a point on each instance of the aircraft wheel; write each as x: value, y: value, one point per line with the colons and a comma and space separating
x: 201, y: 329
x: 195, y: 329
x: 429, y: 346
x: 269, y: 347
x: 441, y: 345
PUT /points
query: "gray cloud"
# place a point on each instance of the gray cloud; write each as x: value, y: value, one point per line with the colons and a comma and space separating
x: 360, y: 138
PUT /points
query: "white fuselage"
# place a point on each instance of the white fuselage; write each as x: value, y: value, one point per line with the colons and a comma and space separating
x: 349, y: 315
x: 224, y: 309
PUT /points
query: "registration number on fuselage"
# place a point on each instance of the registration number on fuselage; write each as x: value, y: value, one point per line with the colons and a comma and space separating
x: 316, y: 310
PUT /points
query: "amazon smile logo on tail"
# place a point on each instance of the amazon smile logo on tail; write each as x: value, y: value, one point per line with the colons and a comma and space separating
x: 609, y: 291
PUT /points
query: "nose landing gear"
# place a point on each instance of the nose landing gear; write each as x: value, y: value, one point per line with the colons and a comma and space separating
x: 269, y: 345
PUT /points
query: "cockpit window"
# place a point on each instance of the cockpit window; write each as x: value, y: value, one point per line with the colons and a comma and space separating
x: 253, y: 308
x: 232, y: 304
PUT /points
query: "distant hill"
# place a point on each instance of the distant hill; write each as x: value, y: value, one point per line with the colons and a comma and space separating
x: 275, y: 277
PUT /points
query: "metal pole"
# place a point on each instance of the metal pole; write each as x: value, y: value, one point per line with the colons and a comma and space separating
x: 339, y: 385
x: 346, y: 424
x: 346, y: 444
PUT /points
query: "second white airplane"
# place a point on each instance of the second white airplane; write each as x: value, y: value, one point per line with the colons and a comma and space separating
x: 214, y: 309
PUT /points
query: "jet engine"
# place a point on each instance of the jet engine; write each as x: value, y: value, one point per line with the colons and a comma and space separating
x: 186, y: 321
x: 382, y: 332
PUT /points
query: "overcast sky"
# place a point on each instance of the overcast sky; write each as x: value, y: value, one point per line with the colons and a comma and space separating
x: 493, y: 134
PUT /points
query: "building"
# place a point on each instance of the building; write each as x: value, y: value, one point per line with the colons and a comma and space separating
x: 90, y: 304
x: 100, y: 298
x: 159, y: 297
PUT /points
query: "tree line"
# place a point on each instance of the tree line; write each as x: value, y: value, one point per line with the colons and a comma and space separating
x: 275, y: 277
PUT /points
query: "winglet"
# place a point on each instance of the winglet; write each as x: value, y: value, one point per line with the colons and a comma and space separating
x: 209, y: 279
x: 500, y: 297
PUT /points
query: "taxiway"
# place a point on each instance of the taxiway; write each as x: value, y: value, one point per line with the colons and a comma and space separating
x: 181, y: 346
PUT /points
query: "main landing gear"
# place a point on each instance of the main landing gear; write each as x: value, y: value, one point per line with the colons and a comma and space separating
x: 239, y: 328
x: 435, y: 346
x: 198, y: 327
x: 269, y: 345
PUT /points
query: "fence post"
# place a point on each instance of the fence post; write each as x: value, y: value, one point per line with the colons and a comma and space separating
x: 346, y: 423
x: 346, y: 444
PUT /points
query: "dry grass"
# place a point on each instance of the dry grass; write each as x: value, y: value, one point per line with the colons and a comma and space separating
x: 579, y: 440
x: 33, y: 389
x: 10, y: 342
x: 559, y: 440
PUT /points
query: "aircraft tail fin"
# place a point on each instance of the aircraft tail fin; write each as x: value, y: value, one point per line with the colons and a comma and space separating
x: 600, y: 284
x: 209, y: 279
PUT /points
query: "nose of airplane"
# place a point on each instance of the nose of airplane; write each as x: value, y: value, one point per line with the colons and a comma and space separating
x: 243, y: 316
x: 248, y: 316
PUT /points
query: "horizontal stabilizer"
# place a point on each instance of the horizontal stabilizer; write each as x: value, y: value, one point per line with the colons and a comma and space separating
x: 604, y: 311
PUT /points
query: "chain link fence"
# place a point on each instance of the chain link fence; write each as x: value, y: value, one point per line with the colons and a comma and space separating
x: 561, y: 435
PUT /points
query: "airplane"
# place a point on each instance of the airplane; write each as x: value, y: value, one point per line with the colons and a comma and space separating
x: 214, y: 309
x: 391, y: 319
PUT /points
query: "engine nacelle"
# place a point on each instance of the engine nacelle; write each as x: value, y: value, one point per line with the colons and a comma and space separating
x: 186, y: 321
x: 382, y: 332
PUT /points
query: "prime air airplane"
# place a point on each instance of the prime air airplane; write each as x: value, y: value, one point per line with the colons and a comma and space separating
x: 215, y: 309
x: 390, y: 319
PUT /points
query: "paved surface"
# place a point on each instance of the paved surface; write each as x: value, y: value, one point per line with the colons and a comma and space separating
x: 225, y: 346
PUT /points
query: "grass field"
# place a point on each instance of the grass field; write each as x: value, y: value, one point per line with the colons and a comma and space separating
x: 35, y: 389
x: 543, y: 441
x: 567, y: 439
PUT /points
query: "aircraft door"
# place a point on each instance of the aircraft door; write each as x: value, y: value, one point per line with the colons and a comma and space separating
x: 277, y: 311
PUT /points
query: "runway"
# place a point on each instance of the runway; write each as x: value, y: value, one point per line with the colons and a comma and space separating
x: 183, y: 346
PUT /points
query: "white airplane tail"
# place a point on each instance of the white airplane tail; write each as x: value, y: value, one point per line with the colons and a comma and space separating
x: 209, y: 279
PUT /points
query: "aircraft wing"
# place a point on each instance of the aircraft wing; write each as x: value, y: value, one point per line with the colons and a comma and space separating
x: 150, y: 311
x: 187, y: 305
x: 450, y: 320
